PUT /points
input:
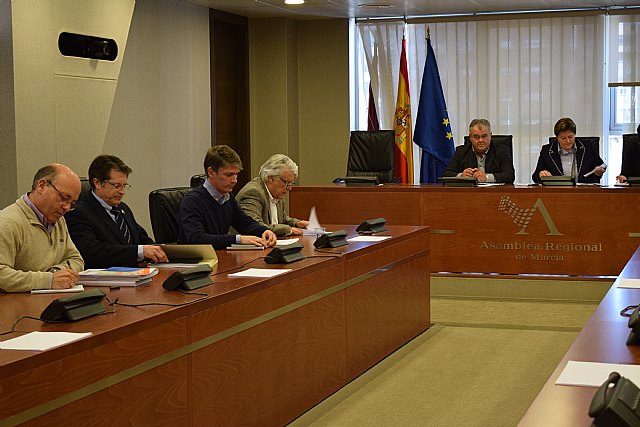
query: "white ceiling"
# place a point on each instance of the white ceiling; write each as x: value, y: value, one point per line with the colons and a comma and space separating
x: 314, y: 9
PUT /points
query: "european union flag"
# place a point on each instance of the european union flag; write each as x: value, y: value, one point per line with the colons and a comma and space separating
x: 433, y: 130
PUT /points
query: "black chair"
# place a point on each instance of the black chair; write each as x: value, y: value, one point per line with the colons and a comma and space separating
x: 86, y: 186
x: 630, y: 155
x: 506, y: 140
x: 197, y: 180
x: 372, y: 154
x: 593, y: 141
x: 164, y: 211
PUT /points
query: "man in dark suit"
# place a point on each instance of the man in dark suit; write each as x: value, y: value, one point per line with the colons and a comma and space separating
x: 103, y: 227
x: 569, y: 157
x: 481, y: 159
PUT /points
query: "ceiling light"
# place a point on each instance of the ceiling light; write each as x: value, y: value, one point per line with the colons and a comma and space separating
x: 293, y: 1
x: 375, y: 5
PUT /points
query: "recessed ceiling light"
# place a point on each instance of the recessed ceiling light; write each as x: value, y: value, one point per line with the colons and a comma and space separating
x: 376, y: 5
x: 293, y: 1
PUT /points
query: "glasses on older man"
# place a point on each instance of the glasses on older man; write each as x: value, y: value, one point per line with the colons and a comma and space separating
x: 118, y: 186
x: 65, y: 198
x: 288, y: 184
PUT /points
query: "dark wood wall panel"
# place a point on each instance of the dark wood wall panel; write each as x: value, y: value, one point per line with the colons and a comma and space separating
x: 230, y: 86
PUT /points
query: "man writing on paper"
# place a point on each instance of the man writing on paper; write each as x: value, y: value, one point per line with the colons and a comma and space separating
x: 485, y: 161
x: 263, y: 197
x: 103, y: 227
x: 208, y: 211
x: 36, y: 251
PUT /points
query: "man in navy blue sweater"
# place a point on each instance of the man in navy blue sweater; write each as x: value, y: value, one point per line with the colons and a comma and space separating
x: 207, y: 212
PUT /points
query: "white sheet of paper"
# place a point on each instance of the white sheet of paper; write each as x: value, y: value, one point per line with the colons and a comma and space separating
x: 629, y: 283
x: 76, y: 288
x: 368, y: 238
x: 313, y: 223
x: 284, y: 242
x: 40, y: 341
x: 260, y: 272
x: 593, y: 374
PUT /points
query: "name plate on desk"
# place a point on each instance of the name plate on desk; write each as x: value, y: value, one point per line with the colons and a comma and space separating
x: 560, y: 181
x: 459, y: 181
x: 361, y: 181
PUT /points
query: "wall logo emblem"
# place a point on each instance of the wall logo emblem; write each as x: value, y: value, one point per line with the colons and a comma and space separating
x: 521, y: 216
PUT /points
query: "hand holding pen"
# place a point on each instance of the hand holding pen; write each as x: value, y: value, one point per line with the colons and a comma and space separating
x: 597, y: 169
x: 65, y: 278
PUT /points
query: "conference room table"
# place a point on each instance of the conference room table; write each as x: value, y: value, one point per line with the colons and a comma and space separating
x: 248, y: 351
x: 603, y: 339
x: 586, y: 230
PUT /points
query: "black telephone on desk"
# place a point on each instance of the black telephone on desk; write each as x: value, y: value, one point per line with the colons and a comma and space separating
x: 616, y: 403
x: 75, y: 307
x: 189, y: 278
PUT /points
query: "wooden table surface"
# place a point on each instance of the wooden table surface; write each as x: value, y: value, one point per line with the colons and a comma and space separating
x: 603, y: 339
x: 253, y: 351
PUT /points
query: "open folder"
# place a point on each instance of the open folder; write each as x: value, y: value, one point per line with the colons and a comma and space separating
x: 188, y: 255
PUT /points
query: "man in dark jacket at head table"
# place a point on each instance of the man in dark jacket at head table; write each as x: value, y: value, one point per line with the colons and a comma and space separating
x: 485, y: 161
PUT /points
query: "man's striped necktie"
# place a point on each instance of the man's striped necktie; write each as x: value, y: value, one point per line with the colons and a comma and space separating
x: 117, y: 212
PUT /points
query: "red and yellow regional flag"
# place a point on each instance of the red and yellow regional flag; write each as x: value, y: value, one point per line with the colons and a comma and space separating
x: 402, y: 123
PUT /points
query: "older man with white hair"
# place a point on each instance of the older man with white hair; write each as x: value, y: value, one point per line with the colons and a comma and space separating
x: 262, y: 198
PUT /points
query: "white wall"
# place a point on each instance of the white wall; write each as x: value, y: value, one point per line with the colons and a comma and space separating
x: 299, y: 89
x: 62, y: 104
x: 160, y: 120
x: 151, y: 107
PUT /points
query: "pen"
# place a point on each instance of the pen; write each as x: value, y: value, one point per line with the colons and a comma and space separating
x: 602, y: 166
x: 69, y: 264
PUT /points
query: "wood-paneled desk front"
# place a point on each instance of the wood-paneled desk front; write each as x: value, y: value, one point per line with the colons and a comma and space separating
x: 578, y: 231
x: 254, y: 352
x: 602, y: 340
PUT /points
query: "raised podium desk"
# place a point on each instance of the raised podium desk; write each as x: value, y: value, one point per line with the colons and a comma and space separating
x: 253, y: 352
x: 602, y: 340
x: 576, y: 231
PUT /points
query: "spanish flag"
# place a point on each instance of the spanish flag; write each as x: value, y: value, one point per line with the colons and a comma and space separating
x: 402, y: 123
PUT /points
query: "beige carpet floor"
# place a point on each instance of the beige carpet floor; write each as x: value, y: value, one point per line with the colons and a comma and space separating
x: 481, y: 364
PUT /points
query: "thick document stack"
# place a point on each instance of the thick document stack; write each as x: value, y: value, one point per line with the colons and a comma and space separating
x: 117, y: 276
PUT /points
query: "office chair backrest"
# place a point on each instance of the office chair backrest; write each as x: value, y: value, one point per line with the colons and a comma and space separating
x: 506, y: 140
x: 372, y: 153
x: 630, y: 155
x: 86, y: 186
x: 593, y: 141
x: 164, y: 211
x: 197, y: 180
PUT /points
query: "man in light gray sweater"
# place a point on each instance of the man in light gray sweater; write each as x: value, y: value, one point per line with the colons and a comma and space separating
x: 36, y: 251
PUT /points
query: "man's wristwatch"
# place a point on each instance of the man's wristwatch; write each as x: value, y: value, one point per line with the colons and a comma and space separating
x: 54, y: 269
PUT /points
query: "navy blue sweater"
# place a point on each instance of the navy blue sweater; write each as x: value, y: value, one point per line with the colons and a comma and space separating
x: 203, y: 220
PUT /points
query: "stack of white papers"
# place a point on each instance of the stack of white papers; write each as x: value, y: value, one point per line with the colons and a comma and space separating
x: 368, y: 238
x: 76, y: 288
x: 40, y: 341
x: 594, y: 374
x: 285, y: 242
x: 118, y: 276
x: 260, y: 272
x: 629, y: 283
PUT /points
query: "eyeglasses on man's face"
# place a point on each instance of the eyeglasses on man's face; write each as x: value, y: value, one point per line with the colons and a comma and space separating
x: 65, y: 198
x: 288, y: 184
x: 118, y: 186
